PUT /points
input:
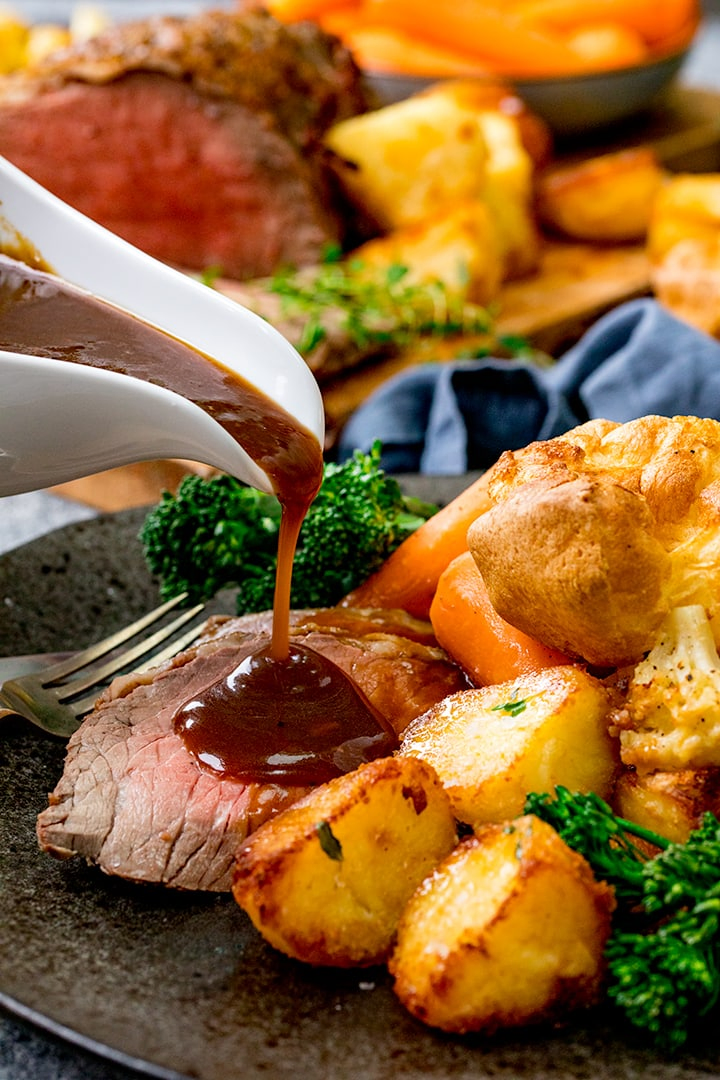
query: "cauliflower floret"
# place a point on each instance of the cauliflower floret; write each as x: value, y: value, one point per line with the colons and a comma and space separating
x: 671, y: 718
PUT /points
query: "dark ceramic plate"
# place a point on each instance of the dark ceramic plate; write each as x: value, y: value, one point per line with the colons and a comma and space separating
x: 176, y: 985
x: 571, y: 104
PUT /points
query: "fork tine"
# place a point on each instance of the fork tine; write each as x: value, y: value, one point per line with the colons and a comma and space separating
x: 101, y: 672
x: 85, y: 704
x: 102, y: 648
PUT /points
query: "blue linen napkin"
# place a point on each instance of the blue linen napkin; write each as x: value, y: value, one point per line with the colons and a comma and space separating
x: 451, y: 418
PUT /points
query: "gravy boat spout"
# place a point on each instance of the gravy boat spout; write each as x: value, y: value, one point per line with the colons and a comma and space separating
x: 60, y: 421
x: 142, y: 421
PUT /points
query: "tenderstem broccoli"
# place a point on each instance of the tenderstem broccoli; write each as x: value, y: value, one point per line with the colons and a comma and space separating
x: 218, y: 533
x: 664, y: 950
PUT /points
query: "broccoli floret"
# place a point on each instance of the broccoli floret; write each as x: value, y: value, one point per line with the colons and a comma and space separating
x: 205, y: 537
x: 672, y: 714
x: 218, y: 533
x: 664, y: 950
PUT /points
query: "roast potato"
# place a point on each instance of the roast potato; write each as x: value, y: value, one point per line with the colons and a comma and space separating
x: 686, y: 280
x: 508, y: 190
x: 686, y: 208
x: 408, y: 161
x: 605, y: 199
x: 671, y: 804
x: 492, y: 746
x: 684, y: 249
x: 508, y: 930
x: 326, y: 880
x: 459, y: 248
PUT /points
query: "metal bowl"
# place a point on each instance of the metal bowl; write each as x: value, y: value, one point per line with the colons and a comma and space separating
x: 570, y: 104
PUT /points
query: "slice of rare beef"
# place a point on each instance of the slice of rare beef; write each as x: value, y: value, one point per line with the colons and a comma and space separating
x: 132, y: 800
x: 197, y: 139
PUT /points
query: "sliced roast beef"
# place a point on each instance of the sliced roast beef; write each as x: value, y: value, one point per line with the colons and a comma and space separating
x: 133, y: 800
x: 197, y: 139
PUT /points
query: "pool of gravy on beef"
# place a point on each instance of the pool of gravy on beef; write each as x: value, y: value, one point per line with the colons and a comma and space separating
x: 267, y: 713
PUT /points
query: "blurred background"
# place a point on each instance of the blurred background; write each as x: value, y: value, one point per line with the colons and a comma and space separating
x: 26, y: 516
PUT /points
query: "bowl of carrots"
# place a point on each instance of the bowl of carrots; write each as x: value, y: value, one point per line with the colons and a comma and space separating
x: 578, y: 63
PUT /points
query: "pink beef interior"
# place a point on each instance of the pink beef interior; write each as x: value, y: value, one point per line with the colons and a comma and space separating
x: 195, y: 181
x: 198, y: 139
x: 132, y: 800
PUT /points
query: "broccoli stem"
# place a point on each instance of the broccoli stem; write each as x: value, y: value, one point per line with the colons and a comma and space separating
x: 663, y: 954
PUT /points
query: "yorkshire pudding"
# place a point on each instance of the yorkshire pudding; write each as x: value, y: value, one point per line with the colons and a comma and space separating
x: 595, y: 535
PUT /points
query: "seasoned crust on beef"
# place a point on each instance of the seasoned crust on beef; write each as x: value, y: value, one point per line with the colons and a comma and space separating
x: 198, y: 139
x: 393, y: 657
x: 297, y: 74
x: 131, y: 798
x: 594, y: 535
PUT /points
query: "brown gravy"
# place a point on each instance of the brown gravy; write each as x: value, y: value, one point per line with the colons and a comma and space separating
x: 297, y: 713
x: 298, y: 721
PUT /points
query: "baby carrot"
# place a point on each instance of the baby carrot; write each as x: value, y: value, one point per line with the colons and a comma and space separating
x: 297, y: 10
x: 408, y: 579
x: 654, y: 20
x: 466, y: 625
x: 496, y: 35
x: 608, y: 45
x: 385, y: 50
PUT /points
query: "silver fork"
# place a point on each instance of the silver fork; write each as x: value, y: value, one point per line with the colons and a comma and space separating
x: 57, y: 698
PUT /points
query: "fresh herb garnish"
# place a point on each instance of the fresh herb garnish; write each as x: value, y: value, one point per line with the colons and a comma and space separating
x: 329, y: 842
x: 374, y: 307
x: 513, y: 707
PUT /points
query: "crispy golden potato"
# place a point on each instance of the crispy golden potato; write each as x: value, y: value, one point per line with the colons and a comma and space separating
x: 14, y: 32
x: 508, y: 192
x: 43, y: 40
x: 431, y: 157
x: 454, y: 124
x: 669, y: 803
x: 595, y: 535
x: 327, y: 879
x: 509, y: 930
x: 498, y: 99
x: 606, y: 199
x: 518, y: 238
x: 460, y: 248
x: 408, y: 161
x: 492, y: 746
x: 686, y: 280
x: 686, y: 208
x: 684, y: 249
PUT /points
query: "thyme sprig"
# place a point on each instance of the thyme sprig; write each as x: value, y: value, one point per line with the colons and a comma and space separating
x: 373, y: 308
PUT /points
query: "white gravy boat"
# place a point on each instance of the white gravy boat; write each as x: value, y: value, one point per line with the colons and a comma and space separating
x: 60, y: 421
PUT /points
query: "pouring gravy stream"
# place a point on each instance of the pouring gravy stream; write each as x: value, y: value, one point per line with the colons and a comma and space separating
x: 284, y: 713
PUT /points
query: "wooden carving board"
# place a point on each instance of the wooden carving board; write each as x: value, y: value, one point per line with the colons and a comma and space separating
x: 575, y: 284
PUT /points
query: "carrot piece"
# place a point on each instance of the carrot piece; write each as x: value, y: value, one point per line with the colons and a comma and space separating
x: 494, y: 34
x: 467, y: 626
x: 297, y: 10
x: 608, y: 45
x: 679, y: 39
x: 385, y: 50
x: 341, y: 21
x: 408, y: 579
x: 654, y: 20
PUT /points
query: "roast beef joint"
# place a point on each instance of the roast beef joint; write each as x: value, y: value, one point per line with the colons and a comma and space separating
x: 134, y: 801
